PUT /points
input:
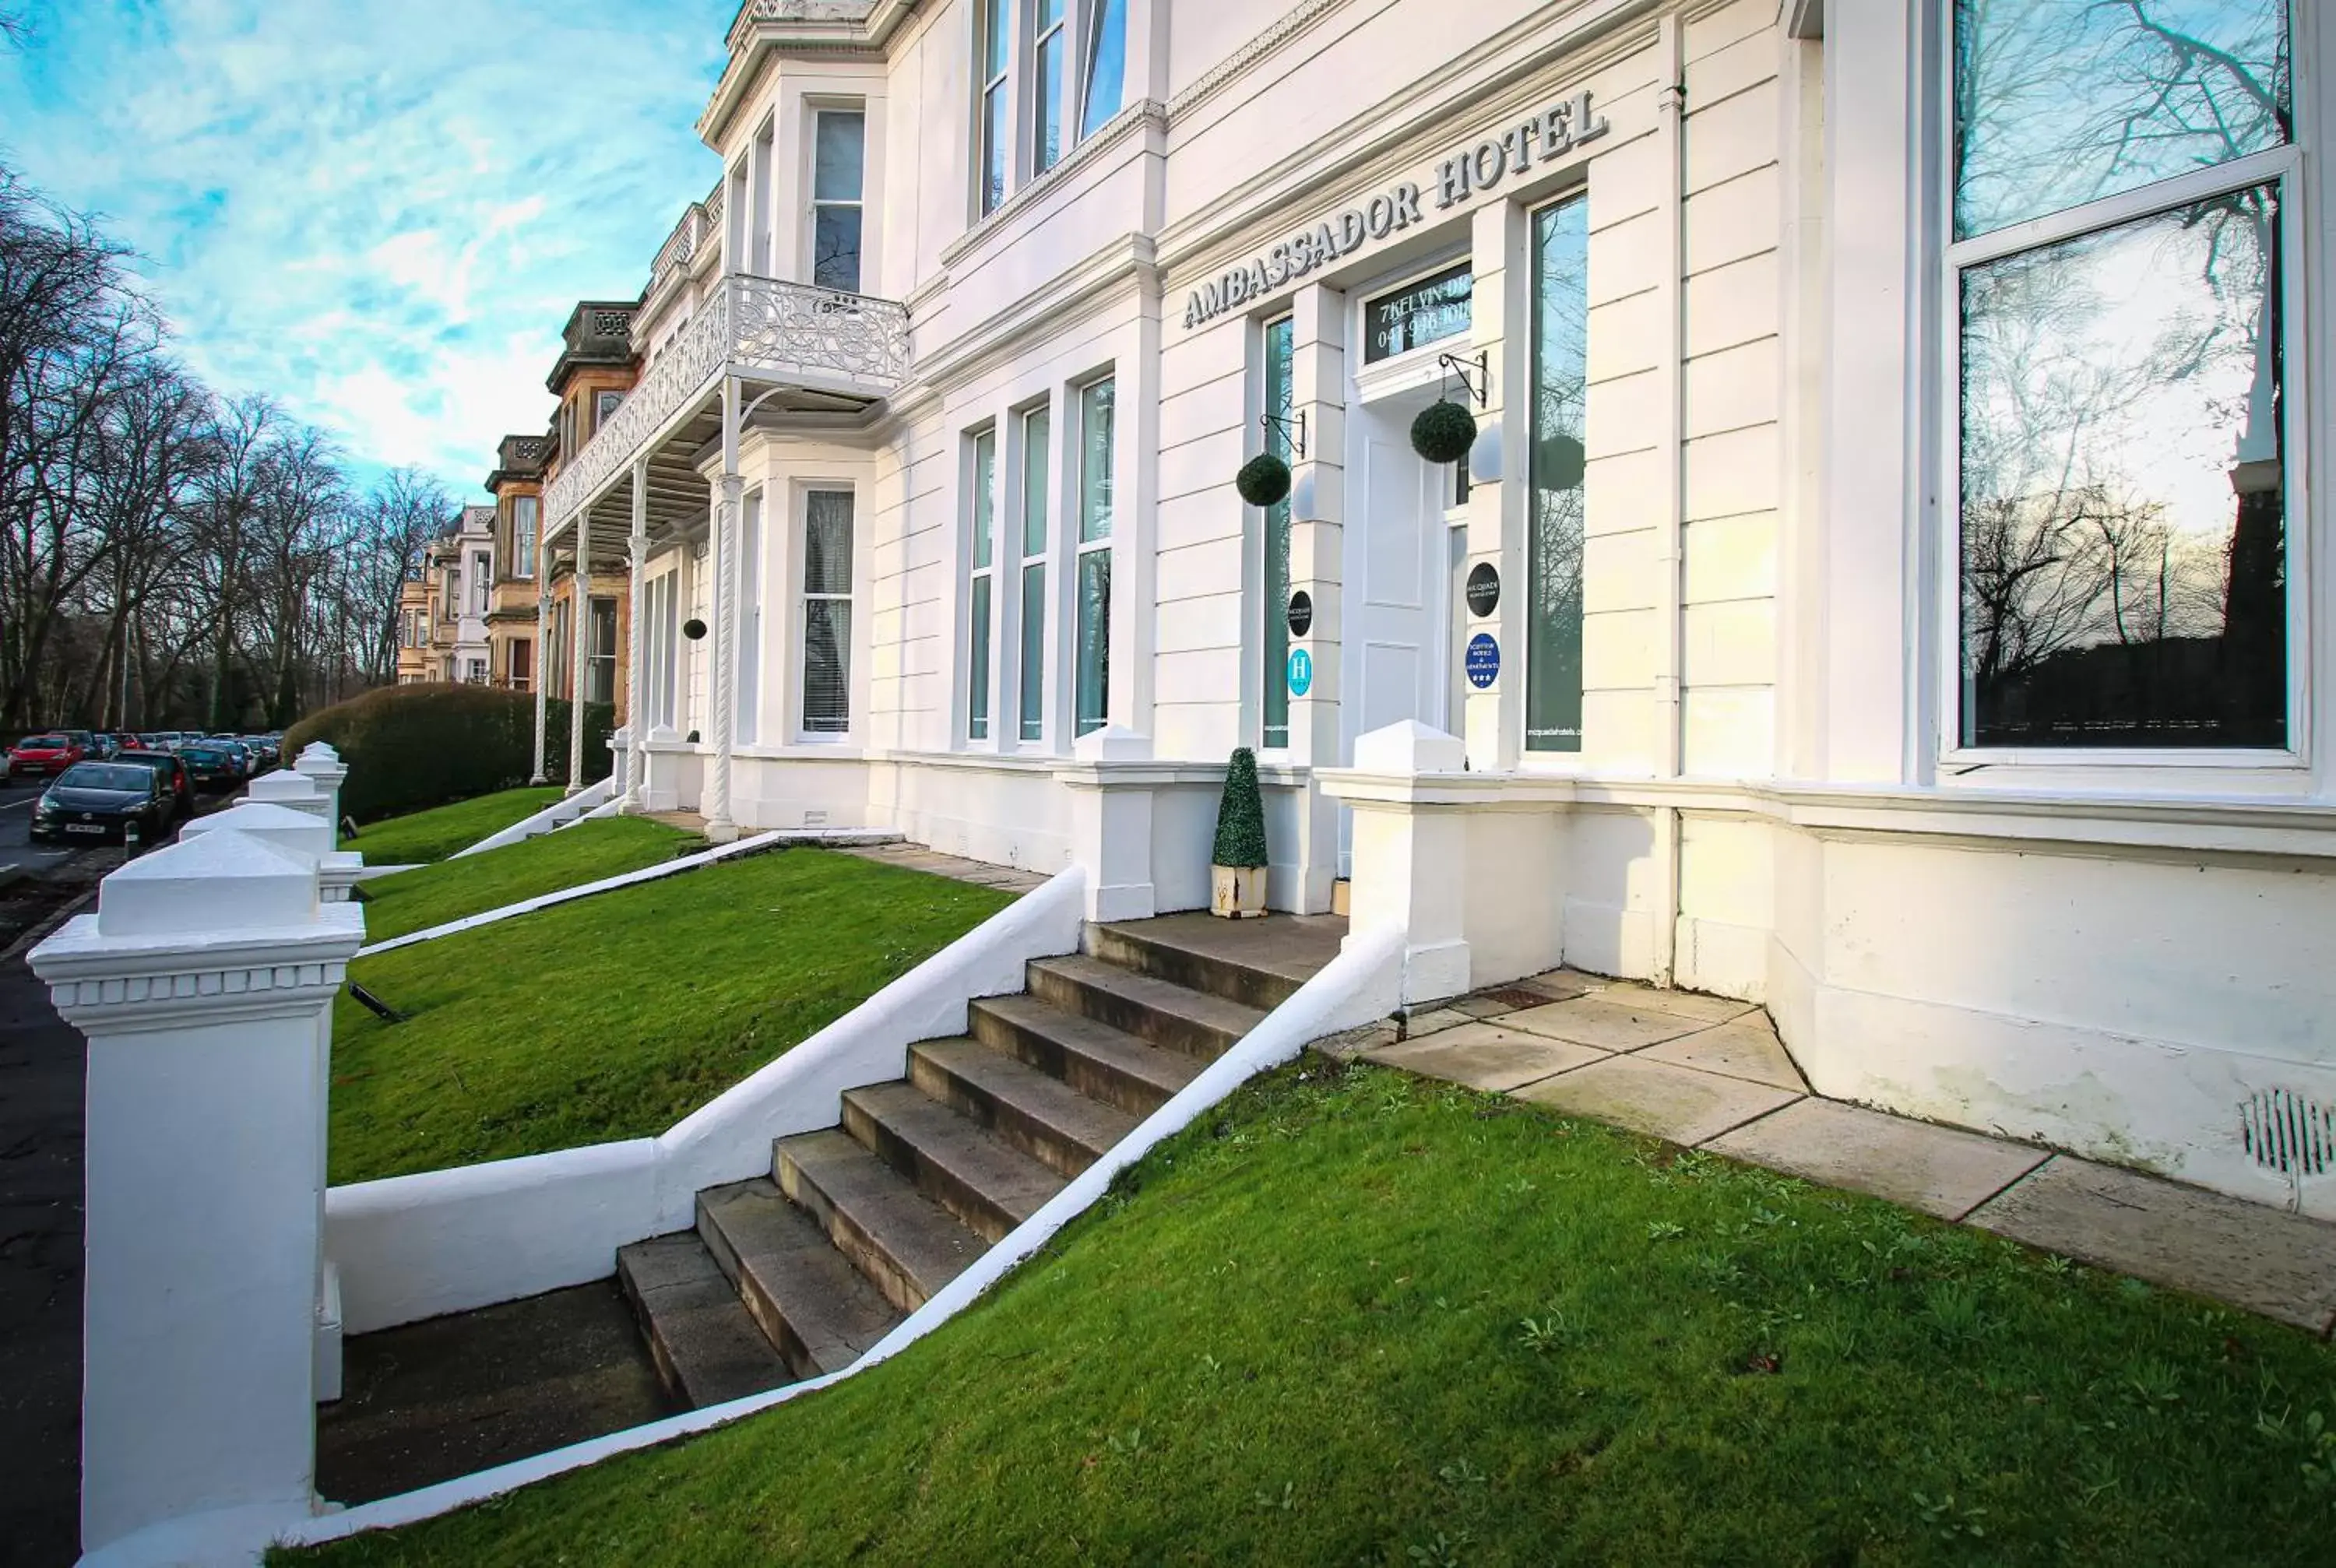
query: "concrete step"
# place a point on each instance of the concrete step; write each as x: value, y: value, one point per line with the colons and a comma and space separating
x: 1043, y: 1116
x: 805, y: 1296
x: 906, y: 1244
x: 985, y: 1183
x: 1258, y: 963
x: 1157, y: 1010
x: 706, y: 1346
x: 1099, y: 1061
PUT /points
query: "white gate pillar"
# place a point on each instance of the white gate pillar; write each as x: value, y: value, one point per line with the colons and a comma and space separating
x: 322, y: 767
x: 1410, y: 851
x: 208, y: 1034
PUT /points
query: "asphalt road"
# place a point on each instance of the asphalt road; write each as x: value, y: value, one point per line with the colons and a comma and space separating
x: 16, y: 846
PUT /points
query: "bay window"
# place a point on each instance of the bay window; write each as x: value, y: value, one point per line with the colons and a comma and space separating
x: 2123, y: 219
x: 523, y: 519
x: 601, y: 653
x: 1091, y: 684
x: 1067, y: 62
x: 827, y: 612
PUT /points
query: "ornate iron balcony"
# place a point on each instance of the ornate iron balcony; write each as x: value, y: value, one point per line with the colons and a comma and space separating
x: 763, y: 331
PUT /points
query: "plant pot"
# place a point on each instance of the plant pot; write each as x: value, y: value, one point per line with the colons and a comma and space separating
x: 1237, y: 892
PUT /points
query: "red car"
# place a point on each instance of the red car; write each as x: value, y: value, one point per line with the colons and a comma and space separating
x: 46, y: 754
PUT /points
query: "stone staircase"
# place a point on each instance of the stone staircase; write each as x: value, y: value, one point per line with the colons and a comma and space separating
x: 794, y: 1275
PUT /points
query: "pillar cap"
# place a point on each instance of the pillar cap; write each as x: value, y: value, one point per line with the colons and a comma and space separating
x: 302, y: 832
x: 212, y: 881
x: 1409, y: 747
x: 283, y: 786
x: 322, y: 750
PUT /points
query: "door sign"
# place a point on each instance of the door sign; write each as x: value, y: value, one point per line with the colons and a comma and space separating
x: 1483, y: 663
x: 1301, y: 672
x: 1302, y: 612
x: 1484, y: 589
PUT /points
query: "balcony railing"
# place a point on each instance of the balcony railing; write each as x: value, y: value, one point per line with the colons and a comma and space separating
x: 763, y: 330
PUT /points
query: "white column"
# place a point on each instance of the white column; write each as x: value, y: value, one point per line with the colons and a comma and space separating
x: 205, y: 1169
x: 313, y: 785
x: 543, y: 653
x: 1318, y: 510
x: 637, y: 671
x: 719, y: 826
x: 579, y: 640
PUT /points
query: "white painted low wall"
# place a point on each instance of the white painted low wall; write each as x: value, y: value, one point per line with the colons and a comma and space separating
x: 415, y: 1247
x: 1363, y: 983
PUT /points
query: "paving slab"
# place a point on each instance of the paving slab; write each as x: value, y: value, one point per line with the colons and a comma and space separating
x: 1349, y: 1044
x: 1745, y: 1047
x: 1679, y: 1104
x: 1595, y: 1021
x: 1694, y: 1004
x: 2266, y: 1261
x: 1434, y: 1019
x: 1557, y: 985
x: 1937, y: 1170
x: 1482, y: 1006
x: 1484, y: 1056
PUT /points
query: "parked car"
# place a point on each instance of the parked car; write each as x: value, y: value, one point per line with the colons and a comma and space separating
x: 100, y: 803
x: 45, y: 755
x: 172, y: 770
x: 213, y: 767
x: 121, y: 741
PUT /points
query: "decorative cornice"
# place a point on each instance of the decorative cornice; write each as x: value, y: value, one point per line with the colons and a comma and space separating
x: 134, y: 984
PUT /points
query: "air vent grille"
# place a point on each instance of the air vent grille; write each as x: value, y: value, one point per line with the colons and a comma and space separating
x: 2288, y: 1134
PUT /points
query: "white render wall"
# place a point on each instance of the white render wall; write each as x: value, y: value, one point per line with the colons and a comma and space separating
x: 2113, y: 961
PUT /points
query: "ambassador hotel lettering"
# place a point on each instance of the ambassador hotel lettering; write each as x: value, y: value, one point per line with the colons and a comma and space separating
x: 1553, y: 132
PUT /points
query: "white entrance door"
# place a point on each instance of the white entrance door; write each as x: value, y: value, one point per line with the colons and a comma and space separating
x: 1397, y: 559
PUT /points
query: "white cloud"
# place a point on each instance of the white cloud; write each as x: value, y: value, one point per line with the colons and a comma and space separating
x: 378, y: 211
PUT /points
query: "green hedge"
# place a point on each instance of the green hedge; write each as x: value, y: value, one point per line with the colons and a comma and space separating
x: 410, y: 747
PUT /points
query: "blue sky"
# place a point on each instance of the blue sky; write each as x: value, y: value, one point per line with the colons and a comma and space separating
x: 378, y: 211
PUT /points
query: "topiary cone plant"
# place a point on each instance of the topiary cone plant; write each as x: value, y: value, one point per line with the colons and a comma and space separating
x: 1237, y: 877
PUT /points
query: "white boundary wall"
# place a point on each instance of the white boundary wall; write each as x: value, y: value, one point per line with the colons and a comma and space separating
x: 1360, y: 985
x: 415, y: 1247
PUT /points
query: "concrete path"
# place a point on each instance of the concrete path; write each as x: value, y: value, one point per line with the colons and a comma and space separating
x: 1710, y: 1074
x: 956, y: 867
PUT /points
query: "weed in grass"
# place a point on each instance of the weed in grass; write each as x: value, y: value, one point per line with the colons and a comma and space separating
x: 1952, y: 1309
x: 1281, y: 1501
x: 1439, y: 1551
x: 1665, y: 1230
x: 1552, y: 1332
x: 1951, y: 1521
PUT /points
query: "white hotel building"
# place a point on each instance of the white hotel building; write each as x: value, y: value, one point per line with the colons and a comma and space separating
x: 1888, y: 582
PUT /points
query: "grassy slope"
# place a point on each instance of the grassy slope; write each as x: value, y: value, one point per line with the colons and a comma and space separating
x: 434, y: 834
x: 417, y: 900
x: 1302, y: 1338
x: 614, y: 1017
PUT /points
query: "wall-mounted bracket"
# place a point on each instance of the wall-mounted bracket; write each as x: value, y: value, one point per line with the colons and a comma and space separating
x: 1475, y: 372
x: 1293, y: 430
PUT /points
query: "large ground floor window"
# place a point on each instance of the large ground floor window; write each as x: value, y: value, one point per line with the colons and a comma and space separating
x: 827, y: 612
x: 1554, y: 519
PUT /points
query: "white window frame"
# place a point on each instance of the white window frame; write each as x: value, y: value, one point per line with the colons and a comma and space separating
x: 2123, y: 767
x: 801, y: 618
x: 1067, y: 96
x: 815, y: 201
x: 1009, y: 12
x: 985, y: 657
x: 1050, y: 587
x: 1078, y: 547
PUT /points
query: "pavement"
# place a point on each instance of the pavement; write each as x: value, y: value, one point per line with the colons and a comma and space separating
x: 1708, y: 1073
x: 41, y: 1081
x: 18, y: 854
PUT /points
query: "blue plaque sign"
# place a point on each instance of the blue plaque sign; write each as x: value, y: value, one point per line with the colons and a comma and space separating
x: 1484, y: 662
x: 1301, y: 672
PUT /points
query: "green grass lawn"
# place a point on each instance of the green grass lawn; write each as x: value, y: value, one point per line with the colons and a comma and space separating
x: 1359, y: 1319
x: 616, y: 1015
x: 433, y: 835
x: 431, y: 895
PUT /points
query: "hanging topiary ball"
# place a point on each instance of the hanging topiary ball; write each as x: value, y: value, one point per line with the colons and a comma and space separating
x: 1443, y: 431
x: 1263, y: 480
x: 693, y: 628
x: 1557, y: 461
